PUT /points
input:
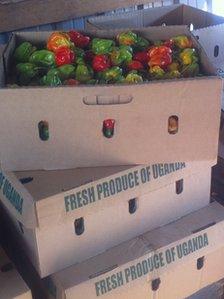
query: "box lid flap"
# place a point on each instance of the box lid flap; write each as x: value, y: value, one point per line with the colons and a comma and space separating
x: 130, y: 19
x: 211, y: 40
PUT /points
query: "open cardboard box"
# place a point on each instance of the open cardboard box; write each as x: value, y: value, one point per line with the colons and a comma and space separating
x: 180, y: 14
x: 12, y: 285
x: 173, y: 261
x: 75, y: 117
x: 208, y: 28
x: 64, y: 217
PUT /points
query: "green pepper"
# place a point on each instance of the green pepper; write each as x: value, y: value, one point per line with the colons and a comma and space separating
x: 79, y: 54
x: 111, y: 75
x: 141, y: 44
x: 188, y: 56
x: 102, y: 46
x: 158, y: 43
x: 122, y: 54
x: 191, y: 70
x: 92, y: 82
x: 66, y: 71
x: 174, y: 66
x: 157, y: 72
x: 43, y: 58
x: 83, y: 73
x: 51, y: 78
x: 173, y: 74
x: 26, y: 72
x: 133, y: 77
x: 12, y: 85
x: 127, y: 38
x: 182, y: 41
x: 23, y: 52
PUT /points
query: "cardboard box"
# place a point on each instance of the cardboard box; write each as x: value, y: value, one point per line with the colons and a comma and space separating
x: 168, y: 15
x: 208, y: 28
x: 75, y: 117
x: 12, y: 285
x: 173, y: 261
x: 68, y: 216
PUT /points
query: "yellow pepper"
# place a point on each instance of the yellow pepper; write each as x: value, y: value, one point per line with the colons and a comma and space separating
x: 188, y: 56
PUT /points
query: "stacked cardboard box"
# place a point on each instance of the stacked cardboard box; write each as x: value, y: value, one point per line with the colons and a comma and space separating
x: 68, y: 215
x: 207, y: 27
x: 169, y: 262
x: 11, y: 284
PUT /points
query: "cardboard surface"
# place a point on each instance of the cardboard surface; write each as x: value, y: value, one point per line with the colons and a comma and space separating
x: 56, y: 199
x: 11, y: 284
x: 169, y: 15
x: 172, y: 253
x: 141, y: 114
x: 212, y: 41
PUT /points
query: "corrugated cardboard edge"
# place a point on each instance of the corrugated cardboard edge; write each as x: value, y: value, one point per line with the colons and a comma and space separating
x: 17, y: 200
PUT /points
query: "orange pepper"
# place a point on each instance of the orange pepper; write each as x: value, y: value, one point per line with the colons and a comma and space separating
x: 58, y: 40
x: 160, y: 56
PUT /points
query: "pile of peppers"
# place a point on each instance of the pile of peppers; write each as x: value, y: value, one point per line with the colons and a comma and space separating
x: 72, y: 58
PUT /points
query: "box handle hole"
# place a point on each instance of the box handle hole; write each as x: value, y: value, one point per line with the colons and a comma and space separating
x: 26, y: 180
x: 155, y: 284
x: 191, y: 26
x: 79, y: 226
x: 216, y: 51
x: 7, y: 267
x: 173, y: 123
x: 179, y: 186
x: 200, y: 262
x: 132, y: 205
x: 43, y: 128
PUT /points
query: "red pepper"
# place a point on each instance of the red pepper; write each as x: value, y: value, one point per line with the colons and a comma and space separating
x: 71, y: 82
x: 135, y: 65
x: 89, y: 55
x: 160, y: 56
x: 142, y: 57
x: 64, y: 56
x: 169, y: 43
x: 80, y: 40
x: 108, y: 128
x: 101, y: 63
